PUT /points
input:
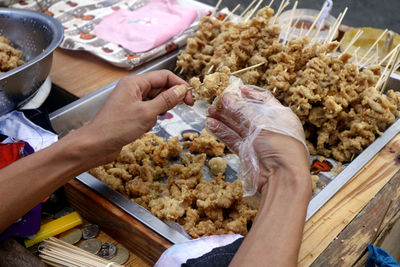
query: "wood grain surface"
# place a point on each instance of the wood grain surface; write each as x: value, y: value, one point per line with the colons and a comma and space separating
x: 82, y: 73
x: 136, y: 237
x: 344, y: 206
x: 352, y: 242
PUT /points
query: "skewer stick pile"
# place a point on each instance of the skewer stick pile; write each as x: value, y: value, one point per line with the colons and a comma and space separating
x: 56, y: 252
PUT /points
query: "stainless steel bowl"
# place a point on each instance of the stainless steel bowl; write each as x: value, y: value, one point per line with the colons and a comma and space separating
x: 37, y: 35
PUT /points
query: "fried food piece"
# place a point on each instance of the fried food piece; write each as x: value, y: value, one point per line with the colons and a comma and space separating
x: 213, y: 85
x: 206, y: 143
x: 203, y: 208
x: 217, y: 165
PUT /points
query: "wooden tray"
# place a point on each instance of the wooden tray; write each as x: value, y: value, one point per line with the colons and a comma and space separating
x: 136, y: 237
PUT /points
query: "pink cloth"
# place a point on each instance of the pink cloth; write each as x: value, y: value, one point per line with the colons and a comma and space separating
x: 147, y: 27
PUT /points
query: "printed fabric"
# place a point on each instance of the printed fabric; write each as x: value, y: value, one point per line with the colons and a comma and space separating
x: 147, y: 27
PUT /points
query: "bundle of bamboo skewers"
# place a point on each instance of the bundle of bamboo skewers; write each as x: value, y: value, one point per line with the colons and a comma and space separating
x: 56, y: 252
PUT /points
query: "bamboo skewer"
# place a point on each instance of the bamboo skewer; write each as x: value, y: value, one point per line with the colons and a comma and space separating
x: 290, y: 21
x: 388, y: 55
x: 217, y: 6
x: 281, y: 7
x: 254, y: 10
x: 375, y: 43
x: 247, y: 8
x: 356, y: 56
x: 301, y: 29
x: 331, y: 27
x: 292, y: 29
x: 316, y: 34
x: 355, y: 38
x: 378, y: 84
x: 248, y: 68
x: 338, y: 23
x: 60, y: 252
x: 390, y: 71
x: 230, y: 13
x: 317, y: 18
x: 270, y: 3
x: 210, y: 69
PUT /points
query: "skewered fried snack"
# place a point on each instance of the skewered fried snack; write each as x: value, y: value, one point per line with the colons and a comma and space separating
x: 341, y: 111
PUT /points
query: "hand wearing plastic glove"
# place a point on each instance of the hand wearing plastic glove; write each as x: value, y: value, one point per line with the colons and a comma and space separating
x: 273, y: 159
x: 259, y: 129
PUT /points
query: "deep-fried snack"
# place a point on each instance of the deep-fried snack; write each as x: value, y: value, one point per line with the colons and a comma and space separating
x: 206, y: 143
x: 217, y: 165
x: 203, y: 208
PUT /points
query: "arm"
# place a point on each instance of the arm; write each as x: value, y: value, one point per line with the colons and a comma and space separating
x: 125, y: 116
x: 264, y: 133
x: 275, y: 237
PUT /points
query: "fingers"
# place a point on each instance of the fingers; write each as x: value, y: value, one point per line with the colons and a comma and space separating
x: 161, y: 79
x: 240, y: 128
x: 168, y: 99
x: 224, y: 133
x: 264, y: 96
x: 189, y: 98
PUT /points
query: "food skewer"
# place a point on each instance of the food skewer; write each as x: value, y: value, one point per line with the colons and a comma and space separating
x: 254, y: 10
x: 338, y: 22
x: 375, y: 44
x: 355, y: 38
x: 270, y: 3
x: 290, y: 22
x: 388, y: 55
x: 247, y: 8
x: 210, y: 69
x: 378, y: 84
x: 282, y: 6
x: 317, y: 18
x: 355, y: 54
x: 216, y: 7
x: 248, y: 68
x: 390, y: 71
x: 292, y: 29
x: 301, y: 29
x: 230, y: 13
x: 316, y: 34
x: 331, y: 28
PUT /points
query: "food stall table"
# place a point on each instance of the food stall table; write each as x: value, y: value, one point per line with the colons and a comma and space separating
x: 338, y: 233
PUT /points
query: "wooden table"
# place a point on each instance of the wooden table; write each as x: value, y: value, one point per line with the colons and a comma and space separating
x: 338, y: 234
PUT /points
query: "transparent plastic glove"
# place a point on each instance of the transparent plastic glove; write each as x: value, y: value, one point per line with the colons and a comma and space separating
x: 241, y: 117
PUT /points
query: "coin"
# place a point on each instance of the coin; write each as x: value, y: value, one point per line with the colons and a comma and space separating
x: 90, y: 231
x: 72, y: 236
x: 92, y: 245
x: 122, y: 255
x: 107, y: 250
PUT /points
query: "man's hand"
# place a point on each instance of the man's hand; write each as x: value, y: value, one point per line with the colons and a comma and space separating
x: 132, y: 108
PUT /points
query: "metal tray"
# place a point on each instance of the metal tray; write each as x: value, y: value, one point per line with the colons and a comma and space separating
x: 82, y: 111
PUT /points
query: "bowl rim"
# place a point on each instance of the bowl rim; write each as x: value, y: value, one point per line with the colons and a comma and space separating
x: 51, y: 22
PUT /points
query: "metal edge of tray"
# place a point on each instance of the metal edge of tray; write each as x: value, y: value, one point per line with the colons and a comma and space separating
x: 352, y: 169
x: 133, y: 209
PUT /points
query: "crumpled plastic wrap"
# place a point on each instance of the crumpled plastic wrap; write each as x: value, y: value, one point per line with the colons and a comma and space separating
x: 252, y: 111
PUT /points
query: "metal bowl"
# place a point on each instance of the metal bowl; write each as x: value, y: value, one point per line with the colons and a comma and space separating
x: 37, y: 35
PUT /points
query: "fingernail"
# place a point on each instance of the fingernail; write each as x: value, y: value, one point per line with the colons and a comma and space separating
x: 180, y: 90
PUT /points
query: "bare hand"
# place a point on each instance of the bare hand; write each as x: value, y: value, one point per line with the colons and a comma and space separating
x: 133, y: 106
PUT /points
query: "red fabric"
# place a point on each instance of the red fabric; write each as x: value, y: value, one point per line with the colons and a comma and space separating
x: 10, y: 153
